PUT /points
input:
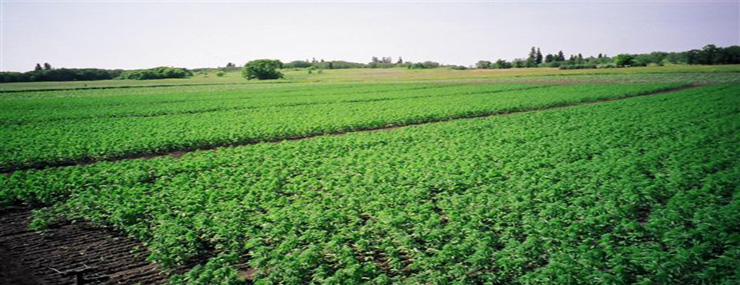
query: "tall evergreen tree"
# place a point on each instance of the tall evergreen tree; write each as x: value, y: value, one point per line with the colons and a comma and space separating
x: 47, y: 66
x: 538, y: 59
x: 549, y: 58
x: 561, y: 56
x: 38, y: 67
x: 532, y: 58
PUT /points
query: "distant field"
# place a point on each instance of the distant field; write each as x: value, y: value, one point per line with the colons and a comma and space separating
x: 390, y: 176
x: 683, y: 73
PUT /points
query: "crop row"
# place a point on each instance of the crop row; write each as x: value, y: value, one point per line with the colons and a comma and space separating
x: 68, y: 141
x: 634, y: 191
x: 49, y: 110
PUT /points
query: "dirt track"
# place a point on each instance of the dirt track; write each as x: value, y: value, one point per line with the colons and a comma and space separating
x: 27, y: 257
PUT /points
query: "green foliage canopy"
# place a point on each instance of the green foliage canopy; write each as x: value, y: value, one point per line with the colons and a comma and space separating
x: 157, y: 73
x: 624, y: 60
x: 262, y: 69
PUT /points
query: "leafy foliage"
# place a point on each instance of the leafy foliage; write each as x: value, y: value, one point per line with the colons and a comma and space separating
x: 157, y: 73
x: 262, y: 69
x: 61, y: 74
x: 623, y: 60
x: 57, y: 131
x: 634, y: 191
x: 708, y: 55
x: 578, y: 66
x: 422, y: 65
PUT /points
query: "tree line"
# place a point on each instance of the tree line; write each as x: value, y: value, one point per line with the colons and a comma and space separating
x: 156, y: 73
x: 708, y: 55
x: 46, y: 72
x: 375, y: 62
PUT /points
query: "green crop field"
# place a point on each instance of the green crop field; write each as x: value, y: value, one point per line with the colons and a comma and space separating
x: 536, y: 176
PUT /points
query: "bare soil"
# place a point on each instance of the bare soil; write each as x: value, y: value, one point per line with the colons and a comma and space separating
x: 28, y: 257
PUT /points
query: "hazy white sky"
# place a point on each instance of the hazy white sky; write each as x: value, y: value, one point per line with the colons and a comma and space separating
x: 141, y: 34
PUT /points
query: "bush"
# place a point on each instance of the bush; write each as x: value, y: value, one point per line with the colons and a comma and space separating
x: 157, y: 73
x: 262, y: 69
x: 623, y: 60
x: 606, y: 65
x: 297, y: 64
x: 220, y: 74
x: 502, y: 64
x: 483, y: 64
x: 578, y: 66
x: 423, y: 65
x: 61, y: 74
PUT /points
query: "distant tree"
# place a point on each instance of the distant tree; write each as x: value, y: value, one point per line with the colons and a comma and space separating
x: 483, y: 64
x: 561, y: 56
x: 156, y: 73
x: 708, y: 54
x: 623, y: 60
x: 340, y: 64
x: 38, y: 67
x: 423, y: 65
x: 538, y: 59
x: 519, y: 63
x: 297, y: 64
x: 47, y: 66
x: 502, y: 64
x: 400, y: 60
x: 692, y: 57
x: 732, y: 55
x: 230, y: 64
x: 383, y: 62
x: 532, y: 58
x: 550, y: 58
x: 579, y: 59
x: 262, y: 69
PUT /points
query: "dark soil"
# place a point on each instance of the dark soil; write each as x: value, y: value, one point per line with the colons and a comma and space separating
x: 28, y: 257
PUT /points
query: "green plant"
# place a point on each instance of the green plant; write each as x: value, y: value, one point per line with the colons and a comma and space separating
x: 624, y: 60
x: 86, y: 129
x: 262, y: 69
x: 589, y: 194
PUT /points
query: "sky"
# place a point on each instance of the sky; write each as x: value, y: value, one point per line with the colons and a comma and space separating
x: 143, y: 34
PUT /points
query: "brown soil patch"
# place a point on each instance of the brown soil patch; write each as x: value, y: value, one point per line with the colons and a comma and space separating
x: 28, y: 257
